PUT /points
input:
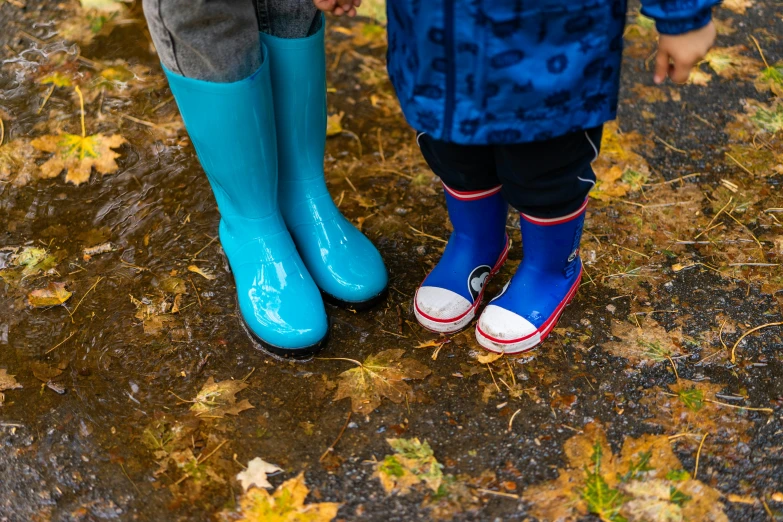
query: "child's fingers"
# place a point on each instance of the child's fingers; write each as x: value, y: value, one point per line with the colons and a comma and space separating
x: 661, y: 66
x: 680, y: 71
x: 324, y: 5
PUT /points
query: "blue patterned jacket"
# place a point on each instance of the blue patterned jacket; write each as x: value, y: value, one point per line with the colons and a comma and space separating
x: 513, y: 71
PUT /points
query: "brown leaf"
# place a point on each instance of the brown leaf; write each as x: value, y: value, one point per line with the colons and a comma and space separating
x: 218, y: 399
x: 7, y: 382
x: 54, y: 294
x: 203, y: 273
x: 17, y: 163
x: 738, y: 6
x: 381, y: 375
x: 646, y: 344
x: 78, y: 155
x: 619, y: 168
x: 43, y: 372
x: 649, y: 93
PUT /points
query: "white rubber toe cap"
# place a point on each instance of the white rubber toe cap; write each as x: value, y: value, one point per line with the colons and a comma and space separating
x: 442, y: 310
x: 502, y: 331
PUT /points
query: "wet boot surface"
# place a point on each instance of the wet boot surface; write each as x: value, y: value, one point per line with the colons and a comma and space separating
x: 141, y: 396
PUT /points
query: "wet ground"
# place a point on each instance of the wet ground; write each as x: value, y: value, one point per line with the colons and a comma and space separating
x: 676, y: 272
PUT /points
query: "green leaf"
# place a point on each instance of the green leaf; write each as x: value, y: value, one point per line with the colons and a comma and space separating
x: 692, y: 398
x: 678, y: 475
x: 678, y: 497
x: 603, y: 501
x: 769, y: 120
x: 638, y: 468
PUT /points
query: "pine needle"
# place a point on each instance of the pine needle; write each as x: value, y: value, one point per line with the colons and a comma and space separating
x: 734, y: 348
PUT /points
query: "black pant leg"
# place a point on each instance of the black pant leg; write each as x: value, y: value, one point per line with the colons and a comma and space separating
x: 549, y: 178
x: 465, y: 168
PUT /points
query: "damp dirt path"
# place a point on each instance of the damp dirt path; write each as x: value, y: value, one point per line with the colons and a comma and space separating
x: 676, y: 272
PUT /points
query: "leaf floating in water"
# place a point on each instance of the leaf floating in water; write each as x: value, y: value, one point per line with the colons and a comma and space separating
x: 381, y: 375
x: 78, y: 155
x: 54, y: 294
x: 256, y: 473
x: 413, y: 462
x: 203, y: 273
x: 7, y: 382
x: 218, y: 399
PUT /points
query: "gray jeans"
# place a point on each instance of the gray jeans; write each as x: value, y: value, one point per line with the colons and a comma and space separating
x: 217, y: 40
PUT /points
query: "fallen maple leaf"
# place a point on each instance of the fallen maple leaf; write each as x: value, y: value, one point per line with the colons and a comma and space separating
x: 770, y: 79
x: 78, y: 155
x: 334, y: 124
x: 17, y: 162
x: 645, y: 344
x: 7, y: 382
x: 619, y: 168
x: 26, y: 262
x: 413, y: 463
x: 699, y: 77
x: 729, y: 63
x: 381, y: 375
x: 256, y: 473
x: 218, y: 399
x: 43, y: 372
x: 738, y: 6
x: 691, y: 407
x: 645, y: 482
x: 286, y: 504
x: 54, y: 294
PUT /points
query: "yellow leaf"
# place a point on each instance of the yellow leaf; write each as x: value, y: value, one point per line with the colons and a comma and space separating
x: 203, y: 273
x: 381, y: 375
x: 57, y: 79
x: 738, y: 6
x: 78, y: 155
x: 699, y: 77
x: 334, y: 124
x: 649, y: 93
x: 54, y: 294
x: 729, y: 63
x: 488, y: 357
x: 285, y: 505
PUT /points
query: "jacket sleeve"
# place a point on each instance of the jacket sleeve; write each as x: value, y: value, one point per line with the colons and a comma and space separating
x: 679, y: 16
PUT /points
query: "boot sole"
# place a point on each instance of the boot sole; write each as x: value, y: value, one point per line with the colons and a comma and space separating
x: 356, y: 306
x: 287, y: 353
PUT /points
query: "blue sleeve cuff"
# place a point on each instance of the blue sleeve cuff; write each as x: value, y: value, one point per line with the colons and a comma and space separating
x: 684, y: 25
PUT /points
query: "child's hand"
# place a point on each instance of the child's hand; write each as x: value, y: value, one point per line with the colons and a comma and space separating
x: 338, y: 7
x: 677, y: 54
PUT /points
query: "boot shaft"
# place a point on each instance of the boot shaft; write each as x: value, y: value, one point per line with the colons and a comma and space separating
x: 478, y: 215
x: 232, y: 128
x: 552, y: 245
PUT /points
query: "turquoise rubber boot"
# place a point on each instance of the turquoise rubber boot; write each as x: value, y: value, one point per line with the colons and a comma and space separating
x: 343, y: 262
x: 232, y: 128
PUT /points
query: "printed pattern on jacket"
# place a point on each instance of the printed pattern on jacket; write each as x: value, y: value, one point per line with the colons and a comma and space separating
x: 515, y: 71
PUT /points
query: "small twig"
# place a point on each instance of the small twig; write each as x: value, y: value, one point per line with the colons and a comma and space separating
x: 491, y: 374
x: 351, y: 185
x: 674, y: 367
x: 100, y: 278
x: 743, y: 167
x: 738, y: 407
x: 202, y: 461
x: 698, y: 454
x: 497, y: 493
x: 331, y: 447
x: 754, y: 264
x: 734, y: 348
x: 675, y: 180
x: 670, y: 146
x: 630, y: 250
x: 420, y: 233
x: 511, y: 420
x: 195, y: 290
x: 129, y: 479
x: 46, y: 99
x: 205, y: 247
x: 380, y: 146
x: 761, y: 53
x: 731, y: 198
x: 2, y: 131
x: 60, y: 343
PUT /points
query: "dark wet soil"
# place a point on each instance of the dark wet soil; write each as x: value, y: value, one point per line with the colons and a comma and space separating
x: 80, y: 455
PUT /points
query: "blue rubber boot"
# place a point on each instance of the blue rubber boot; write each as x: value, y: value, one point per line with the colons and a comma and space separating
x: 233, y: 132
x: 343, y: 262
x: 545, y: 282
x: 447, y: 300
